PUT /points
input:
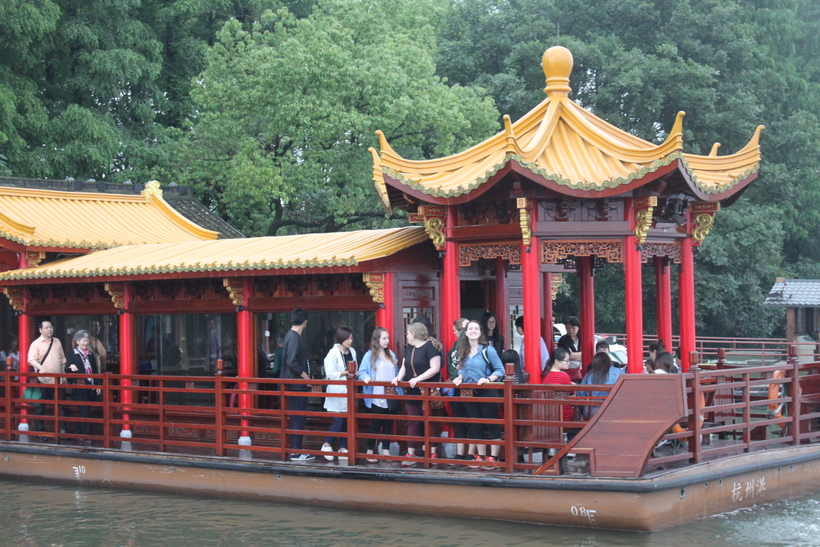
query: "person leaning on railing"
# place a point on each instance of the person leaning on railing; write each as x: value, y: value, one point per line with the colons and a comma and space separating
x: 422, y: 362
x: 480, y: 364
x: 379, y: 365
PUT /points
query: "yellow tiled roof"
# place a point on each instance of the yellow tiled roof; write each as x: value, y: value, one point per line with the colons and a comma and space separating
x: 79, y: 220
x: 224, y: 255
x: 564, y: 143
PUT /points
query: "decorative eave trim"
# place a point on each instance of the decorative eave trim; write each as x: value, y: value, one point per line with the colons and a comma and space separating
x: 181, y: 268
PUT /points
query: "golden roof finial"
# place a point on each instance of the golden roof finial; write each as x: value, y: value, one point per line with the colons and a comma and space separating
x: 557, y: 64
x: 151, y: 190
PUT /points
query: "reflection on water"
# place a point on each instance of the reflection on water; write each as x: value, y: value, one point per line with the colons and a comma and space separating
x: 40, y: 514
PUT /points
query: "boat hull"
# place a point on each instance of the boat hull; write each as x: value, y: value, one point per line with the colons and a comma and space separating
x: 646, y: 504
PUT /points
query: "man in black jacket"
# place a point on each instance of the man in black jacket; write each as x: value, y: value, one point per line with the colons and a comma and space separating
x: 296, y: 365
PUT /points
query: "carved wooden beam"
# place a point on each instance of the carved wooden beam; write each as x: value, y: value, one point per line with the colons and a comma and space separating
x: 703, y: 218
x: 33, y: 258
x: 644, y: 208
x: 375, y: 283
x: 524, y: 217
x: 117, y: 293
x: 236, y: 289
x: 434, y: 219
x: 16, y: 296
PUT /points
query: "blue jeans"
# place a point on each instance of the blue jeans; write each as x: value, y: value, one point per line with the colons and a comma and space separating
x: 339, y: 425
x: 297, y: 422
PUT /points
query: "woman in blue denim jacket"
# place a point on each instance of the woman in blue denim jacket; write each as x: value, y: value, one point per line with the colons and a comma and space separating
x: 600, y: 372
x: 379, y: 365
x: 480, y: 364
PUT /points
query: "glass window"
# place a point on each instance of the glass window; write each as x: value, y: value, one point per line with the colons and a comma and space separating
x: 186, y: 344
x: 320, y: 334
x: 104, y: 337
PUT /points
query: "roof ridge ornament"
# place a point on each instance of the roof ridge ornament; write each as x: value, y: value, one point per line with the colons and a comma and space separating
x: 557, y: 63
x: 151, y: 189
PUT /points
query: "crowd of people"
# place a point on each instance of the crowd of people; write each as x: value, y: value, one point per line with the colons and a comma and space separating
x: 475, y: 365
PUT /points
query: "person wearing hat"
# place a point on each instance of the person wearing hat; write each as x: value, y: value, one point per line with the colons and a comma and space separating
x: 296, y: 365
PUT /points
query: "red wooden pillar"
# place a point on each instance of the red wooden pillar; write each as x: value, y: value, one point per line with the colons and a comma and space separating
x: 663, y: 300
x: 686, y: 295
x: 25, y: 326
x: 502, y: 311
x: 128, y: 357
x: 244, y: 358
x: 586, y: 290
x: 634, y: 305
x: 386, y: 312
x: 546, y: 322
x: 450, y: 283
x: 531, y: 280
x: 531, y: 285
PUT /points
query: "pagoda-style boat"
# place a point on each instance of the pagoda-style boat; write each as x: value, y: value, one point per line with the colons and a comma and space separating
x: 187, y: 323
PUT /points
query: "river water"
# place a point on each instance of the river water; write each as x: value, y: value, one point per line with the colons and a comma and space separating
x: 49, y: 515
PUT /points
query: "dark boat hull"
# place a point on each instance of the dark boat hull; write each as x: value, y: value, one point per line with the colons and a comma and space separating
x: 647, y: 504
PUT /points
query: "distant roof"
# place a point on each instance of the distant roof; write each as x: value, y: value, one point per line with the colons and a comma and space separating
x: 78, y: 220
x: 179, y: 197
x: 565, y: 148
x: 226, y: 255
x: 795, y: 293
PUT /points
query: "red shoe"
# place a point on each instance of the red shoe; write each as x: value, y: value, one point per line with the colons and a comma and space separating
x: 493, y: 463
x: 477, y: 459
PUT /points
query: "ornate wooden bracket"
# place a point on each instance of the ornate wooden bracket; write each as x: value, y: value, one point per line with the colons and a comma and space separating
x: 375, y: 283
x: 236, y: 289
x: 671, y: 250
x: 469, y: 253
x: 16, y: 296
x: 644, y: 207
x: 434, y: 219
x: 33, y: 258
x: 524, y: 216
x: 555, y: 283
x: 554, y: 252
x: 117, y: 293
x: 703, y: 218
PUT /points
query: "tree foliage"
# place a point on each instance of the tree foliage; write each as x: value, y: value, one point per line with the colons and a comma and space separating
x: 289, y: 108
x: 267, y: 107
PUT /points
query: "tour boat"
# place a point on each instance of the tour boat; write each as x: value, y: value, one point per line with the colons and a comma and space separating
x: 185, y: 322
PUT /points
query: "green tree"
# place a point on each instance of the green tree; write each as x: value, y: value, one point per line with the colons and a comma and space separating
x: 288, y: 109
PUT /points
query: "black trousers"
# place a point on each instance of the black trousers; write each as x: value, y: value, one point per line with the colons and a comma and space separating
x: 297, y: 421
x: 40, y: 408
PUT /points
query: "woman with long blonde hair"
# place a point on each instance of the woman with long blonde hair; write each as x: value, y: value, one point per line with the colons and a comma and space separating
x: 379, y: 365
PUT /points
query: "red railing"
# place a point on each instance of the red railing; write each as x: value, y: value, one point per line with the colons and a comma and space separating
x: 195, y: 415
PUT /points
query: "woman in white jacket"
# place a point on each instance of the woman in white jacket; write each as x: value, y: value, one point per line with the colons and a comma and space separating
x: 336, y: 369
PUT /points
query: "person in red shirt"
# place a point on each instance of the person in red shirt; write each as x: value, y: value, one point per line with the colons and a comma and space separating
x: 556, y: 374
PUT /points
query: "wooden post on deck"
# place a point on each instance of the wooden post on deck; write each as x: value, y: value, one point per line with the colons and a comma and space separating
x: 450, y: 285
x: 586, y: 294
x: 663, y: 301
x: 795, y: 394
x: 686, y: 292
x: 245, y: 357
x: 25, y: 326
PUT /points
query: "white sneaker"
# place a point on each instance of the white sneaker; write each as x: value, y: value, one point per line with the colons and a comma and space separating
x: 302, y: 457
x: 327, y: 448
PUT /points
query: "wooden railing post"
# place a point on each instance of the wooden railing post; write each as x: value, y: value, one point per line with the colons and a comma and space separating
x: 694, y: 419
x: 721, y: 358
x: 352, y: 447
x: 795, y: 394
x: 747, y: 413
x: 219, y: 409
x: 106, y: 409
x: 510, y: 452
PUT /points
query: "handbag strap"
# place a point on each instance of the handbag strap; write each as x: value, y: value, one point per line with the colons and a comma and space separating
x: 43, y: 360
x: 412, y: 358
